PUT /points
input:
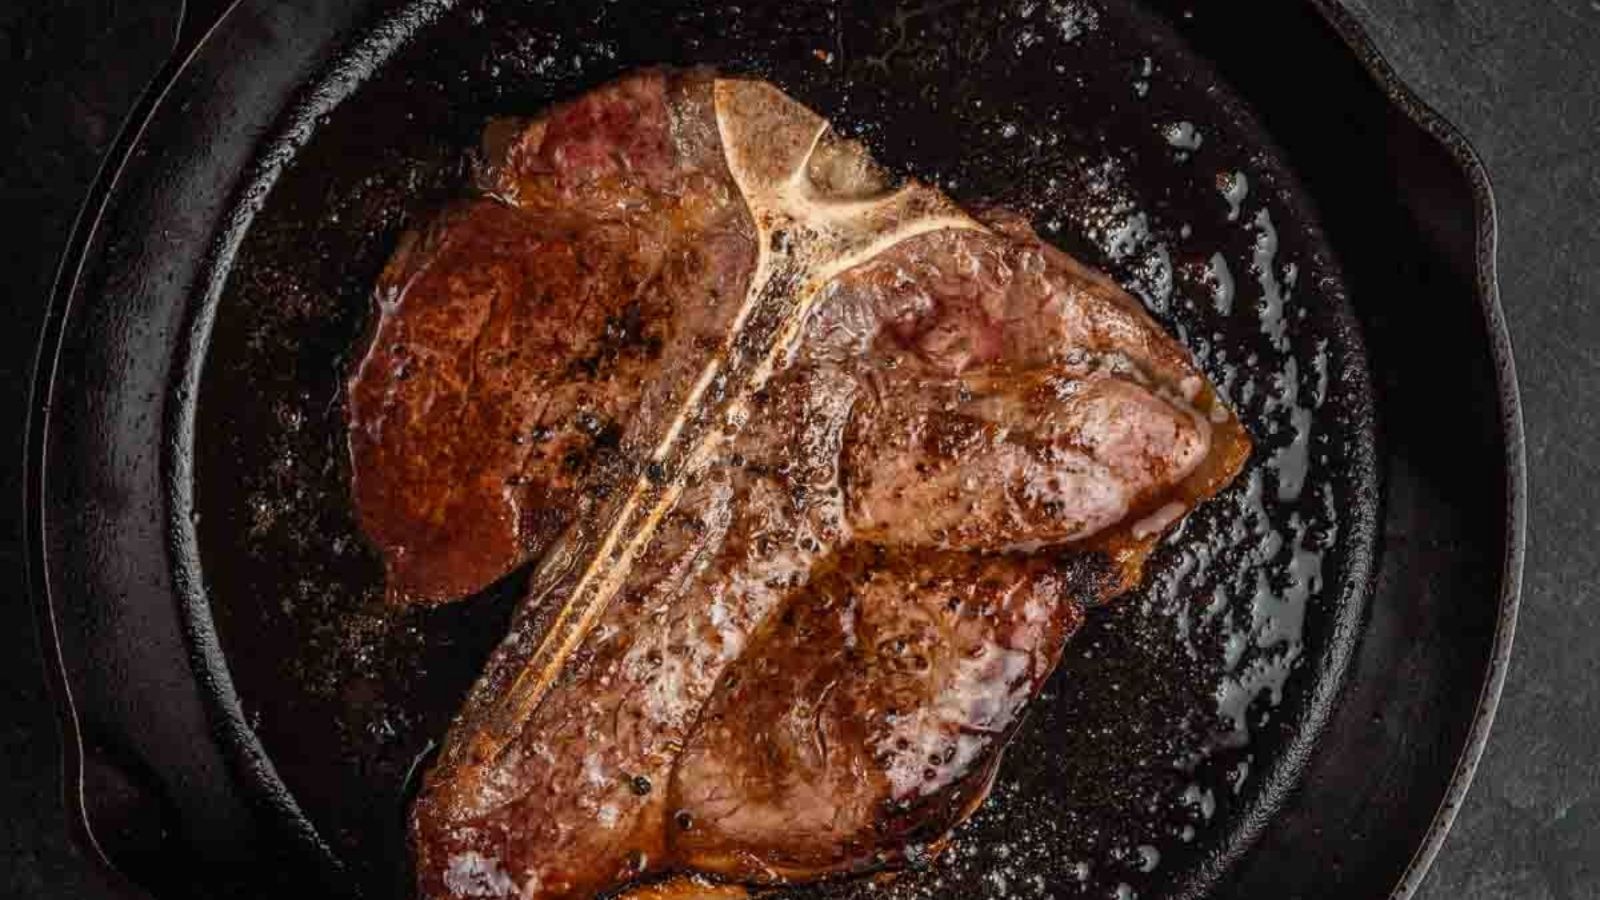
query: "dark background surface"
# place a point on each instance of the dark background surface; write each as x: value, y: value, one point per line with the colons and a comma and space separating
x: 1521, y: 79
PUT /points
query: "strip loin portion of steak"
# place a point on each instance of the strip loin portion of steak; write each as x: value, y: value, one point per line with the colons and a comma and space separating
x: 856, y: 484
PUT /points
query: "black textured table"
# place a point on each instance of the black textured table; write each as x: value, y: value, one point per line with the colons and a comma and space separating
x: 1521, y: 79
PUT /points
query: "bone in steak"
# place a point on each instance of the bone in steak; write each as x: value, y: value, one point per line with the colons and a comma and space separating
x: 820, y: 471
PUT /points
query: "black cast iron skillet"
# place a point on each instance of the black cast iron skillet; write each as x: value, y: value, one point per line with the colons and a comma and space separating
x: 1291, y: 706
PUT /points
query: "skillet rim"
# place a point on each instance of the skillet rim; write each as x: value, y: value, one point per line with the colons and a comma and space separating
x: 1487, y: 288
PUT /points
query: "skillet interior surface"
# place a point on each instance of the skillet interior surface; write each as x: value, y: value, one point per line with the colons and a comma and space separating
x: 1180, y: 716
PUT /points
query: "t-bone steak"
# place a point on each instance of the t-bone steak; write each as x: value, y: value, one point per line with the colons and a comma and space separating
x: 819, y: 470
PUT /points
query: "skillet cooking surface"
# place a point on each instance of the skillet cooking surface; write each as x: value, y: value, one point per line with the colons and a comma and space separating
x: 1179, y: 714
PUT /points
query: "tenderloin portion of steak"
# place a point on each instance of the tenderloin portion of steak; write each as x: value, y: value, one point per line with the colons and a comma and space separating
x: 855, y: 504
x: 518, y: 335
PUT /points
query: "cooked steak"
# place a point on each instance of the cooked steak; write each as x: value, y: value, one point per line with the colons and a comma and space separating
x: 863, y: 460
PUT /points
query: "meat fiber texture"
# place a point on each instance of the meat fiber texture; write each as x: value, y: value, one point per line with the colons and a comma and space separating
x: 819, y: 471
